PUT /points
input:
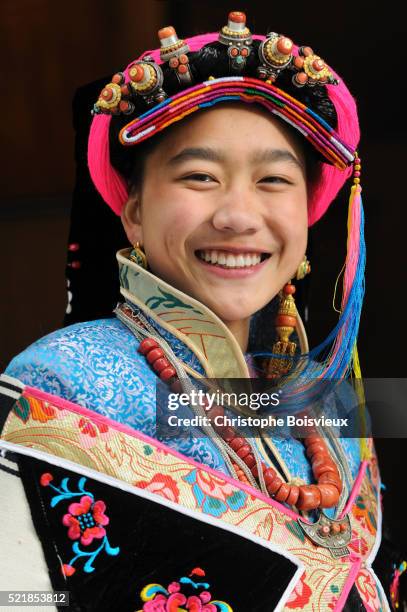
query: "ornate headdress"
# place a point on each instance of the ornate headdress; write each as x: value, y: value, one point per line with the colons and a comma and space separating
x: 181, y: 77
x: 293, y: 83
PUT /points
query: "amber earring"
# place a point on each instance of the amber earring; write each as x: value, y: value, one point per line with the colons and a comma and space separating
x: 303, y: 269
x: 138, y: 256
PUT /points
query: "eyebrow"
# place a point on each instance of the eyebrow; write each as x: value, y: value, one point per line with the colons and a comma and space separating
x: 275, y: 155
x: 204, y: 153
x: 260, y: 156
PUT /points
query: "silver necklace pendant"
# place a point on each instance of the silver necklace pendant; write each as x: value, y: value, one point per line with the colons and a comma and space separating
x: 329, y: 533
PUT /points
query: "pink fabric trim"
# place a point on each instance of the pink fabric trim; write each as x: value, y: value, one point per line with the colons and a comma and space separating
x: 62, y: 403
x: 348, y: 585
x: 355, y: 489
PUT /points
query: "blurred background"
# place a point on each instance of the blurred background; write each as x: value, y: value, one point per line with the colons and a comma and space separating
x: 56, y: 58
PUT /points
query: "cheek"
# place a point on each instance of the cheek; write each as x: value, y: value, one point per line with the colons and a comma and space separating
x: 168, y: 221
x: 290, y: 220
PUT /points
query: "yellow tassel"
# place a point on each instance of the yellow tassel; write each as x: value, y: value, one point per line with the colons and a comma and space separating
x: 365, y: 452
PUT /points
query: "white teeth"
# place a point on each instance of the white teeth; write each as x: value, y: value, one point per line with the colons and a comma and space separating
x: 240, y: 260
x: 230, y: 261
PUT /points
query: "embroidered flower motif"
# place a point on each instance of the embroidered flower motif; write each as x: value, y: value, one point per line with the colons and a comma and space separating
x: 28, y: 407
x: 213, y: 494
x: 161, y: 599
x: 161, y: 484
x: 90, y: 428
x: 300, y: 596
x: 41, y: 411
x: 85, y: 520
x: 163, y: 604
x: 46, y: 479
x: 68, y: 570
x: 358, y: 545
x: 91, y: 431
x: 362, y: 514
x: 264, y: 527
x: 368, y: 591
x: 332, y: 602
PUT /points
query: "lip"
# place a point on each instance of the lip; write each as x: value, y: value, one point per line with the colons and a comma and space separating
x: 234, y: 272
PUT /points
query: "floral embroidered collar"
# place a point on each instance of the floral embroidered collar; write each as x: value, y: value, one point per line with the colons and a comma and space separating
x: 185, y: 317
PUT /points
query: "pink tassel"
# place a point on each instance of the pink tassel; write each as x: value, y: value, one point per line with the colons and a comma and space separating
x: 352, y: 254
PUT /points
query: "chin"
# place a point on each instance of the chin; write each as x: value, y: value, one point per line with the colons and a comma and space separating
x: 233, y: 311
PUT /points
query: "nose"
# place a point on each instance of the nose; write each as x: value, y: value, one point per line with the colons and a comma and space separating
x: 237, y: 213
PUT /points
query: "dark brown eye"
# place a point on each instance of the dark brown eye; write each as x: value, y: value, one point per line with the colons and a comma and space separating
x: 273, y: 179
x: 199, y: 176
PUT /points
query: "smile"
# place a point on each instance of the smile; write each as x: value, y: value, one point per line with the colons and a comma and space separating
x: 225, y: 259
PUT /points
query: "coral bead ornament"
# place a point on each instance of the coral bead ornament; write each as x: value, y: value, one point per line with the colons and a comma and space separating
x: 284, y: 45
x: 136, y: 73
x: 300, y: 79
x: 309, y: 497
x: 175, y: 51
x: 318, y: 65
x: 146, y: 79
x: 107, y: 94
x: 237, y: 17
x: 118, y: 78
x: 146, y: 345
x: 238, y: 38
x: 109, y: 99
x: 167, y: 33
x: 275, y: 54
x: 168, y: 374
x: 154, y: 354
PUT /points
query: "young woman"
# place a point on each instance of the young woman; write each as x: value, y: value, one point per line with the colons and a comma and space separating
x: 216, y: 204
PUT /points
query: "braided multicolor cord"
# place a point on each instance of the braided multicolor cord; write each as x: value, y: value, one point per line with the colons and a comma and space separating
x: 249, y: 90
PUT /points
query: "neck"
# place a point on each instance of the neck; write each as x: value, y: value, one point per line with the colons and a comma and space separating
x: 240, y: 330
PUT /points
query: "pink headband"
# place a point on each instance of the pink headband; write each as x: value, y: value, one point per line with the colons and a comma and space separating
x: 113, y: 187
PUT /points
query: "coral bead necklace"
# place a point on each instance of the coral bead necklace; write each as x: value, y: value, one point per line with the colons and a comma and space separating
x: 324, y: 494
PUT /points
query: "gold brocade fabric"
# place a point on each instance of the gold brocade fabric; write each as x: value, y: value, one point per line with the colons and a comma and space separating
x: 52, y: 429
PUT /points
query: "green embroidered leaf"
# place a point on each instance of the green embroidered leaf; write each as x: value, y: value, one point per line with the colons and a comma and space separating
x: 214, y: 503
x: 22, y: 409
x: 154, y: 302
x: 123, y: 277
x: 147, y: 449
x: 169, y: 301
x: 372, y: 519
x: 296, y: 530
x: 334, y: 588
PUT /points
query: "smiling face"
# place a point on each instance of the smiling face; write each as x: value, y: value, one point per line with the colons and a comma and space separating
x: 222, y: 210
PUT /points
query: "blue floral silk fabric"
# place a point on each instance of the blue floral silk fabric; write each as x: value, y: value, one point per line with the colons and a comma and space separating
x: 97, y: 365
